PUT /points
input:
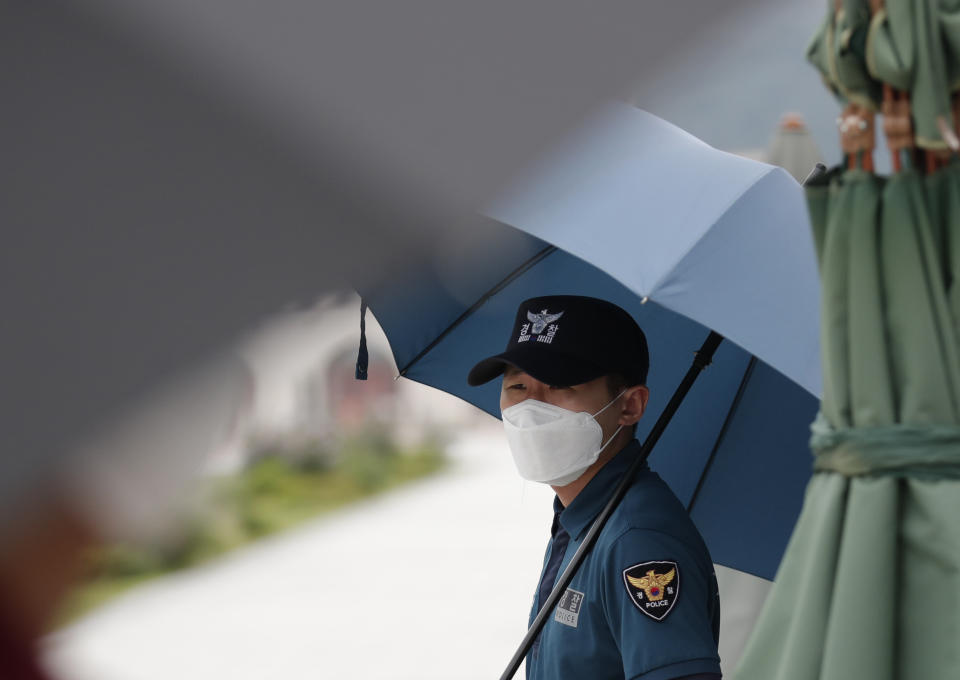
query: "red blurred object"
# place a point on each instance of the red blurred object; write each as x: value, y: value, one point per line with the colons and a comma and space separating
x: 17, y: 654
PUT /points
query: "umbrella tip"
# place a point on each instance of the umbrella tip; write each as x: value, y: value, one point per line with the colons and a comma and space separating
x: 818, y: 170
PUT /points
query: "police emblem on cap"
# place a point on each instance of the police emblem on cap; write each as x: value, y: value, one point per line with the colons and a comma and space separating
x: 540, y: 322
x: 653, y: 587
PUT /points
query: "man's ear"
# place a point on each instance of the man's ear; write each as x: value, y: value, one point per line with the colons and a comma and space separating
x: 634, y: 404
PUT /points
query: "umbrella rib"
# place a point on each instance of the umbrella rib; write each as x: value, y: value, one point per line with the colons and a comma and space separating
x: 509, y: 278
x: 723, y: 431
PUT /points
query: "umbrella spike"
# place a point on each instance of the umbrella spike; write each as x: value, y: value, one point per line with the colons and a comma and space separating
x: 818, y: 170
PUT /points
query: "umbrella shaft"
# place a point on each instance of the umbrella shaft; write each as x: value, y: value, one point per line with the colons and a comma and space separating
x: 701, y: 360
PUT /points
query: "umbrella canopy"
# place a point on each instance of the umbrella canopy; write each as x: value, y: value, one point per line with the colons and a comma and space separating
x: 869, y: 584
x: 685, y: 238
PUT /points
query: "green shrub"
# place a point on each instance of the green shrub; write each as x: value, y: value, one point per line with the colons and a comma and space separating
x: 278, y: 490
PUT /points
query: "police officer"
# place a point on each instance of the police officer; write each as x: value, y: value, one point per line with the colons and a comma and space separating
x: 644, y: 603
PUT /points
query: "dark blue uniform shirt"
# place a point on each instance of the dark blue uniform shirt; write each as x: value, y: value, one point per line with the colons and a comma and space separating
x: 644, y: 603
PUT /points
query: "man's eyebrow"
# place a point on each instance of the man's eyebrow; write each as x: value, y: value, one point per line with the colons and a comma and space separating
x: 511, y: 371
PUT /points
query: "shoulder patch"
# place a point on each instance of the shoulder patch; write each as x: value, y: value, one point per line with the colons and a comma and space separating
x: 654, y: 587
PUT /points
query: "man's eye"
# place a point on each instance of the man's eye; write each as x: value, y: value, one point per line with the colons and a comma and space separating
x: 516, y: 386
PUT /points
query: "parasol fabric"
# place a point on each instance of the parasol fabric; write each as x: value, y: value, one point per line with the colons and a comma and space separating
x: 870, y: 582
x: 911, y: 45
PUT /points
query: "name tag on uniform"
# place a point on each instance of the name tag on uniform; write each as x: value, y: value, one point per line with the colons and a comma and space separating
x: 568, y: 610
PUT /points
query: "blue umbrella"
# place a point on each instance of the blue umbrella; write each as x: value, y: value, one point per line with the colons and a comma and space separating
x: 687, y: 239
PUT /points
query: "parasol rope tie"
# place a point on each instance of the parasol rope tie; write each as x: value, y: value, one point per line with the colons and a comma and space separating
x: 916, y: 451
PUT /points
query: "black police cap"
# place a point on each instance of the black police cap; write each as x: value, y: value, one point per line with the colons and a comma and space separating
x: 565, y: 340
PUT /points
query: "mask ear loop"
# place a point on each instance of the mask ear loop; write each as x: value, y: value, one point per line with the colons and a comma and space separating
x: 615, y: 432
x: 624, y: 391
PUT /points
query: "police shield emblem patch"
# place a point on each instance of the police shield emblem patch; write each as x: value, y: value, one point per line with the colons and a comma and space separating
x: 653, y: 587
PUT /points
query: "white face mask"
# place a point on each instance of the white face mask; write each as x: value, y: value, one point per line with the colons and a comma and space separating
x: 551, y: 444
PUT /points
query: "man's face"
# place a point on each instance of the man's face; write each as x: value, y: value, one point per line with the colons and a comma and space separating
x: 587, y: 397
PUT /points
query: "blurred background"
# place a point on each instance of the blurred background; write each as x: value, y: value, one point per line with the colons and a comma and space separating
x: 370, y: 529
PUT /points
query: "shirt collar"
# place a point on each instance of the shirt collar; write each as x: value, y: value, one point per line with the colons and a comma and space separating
x: 581, y: 512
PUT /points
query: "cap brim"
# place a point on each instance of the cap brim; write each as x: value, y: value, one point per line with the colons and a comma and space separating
x: 546, y: 365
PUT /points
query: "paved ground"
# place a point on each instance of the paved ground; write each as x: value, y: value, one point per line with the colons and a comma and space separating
x: 432, y: 581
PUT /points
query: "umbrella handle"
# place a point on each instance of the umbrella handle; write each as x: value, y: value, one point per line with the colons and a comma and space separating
x: 701, y: 360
